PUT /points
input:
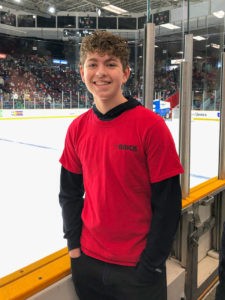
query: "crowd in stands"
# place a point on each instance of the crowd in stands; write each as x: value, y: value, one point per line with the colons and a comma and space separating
x: 206, y: 87
x: 37, y: 81
x: 34, y: 81
x: 166, y: 83
x: 7, y: 18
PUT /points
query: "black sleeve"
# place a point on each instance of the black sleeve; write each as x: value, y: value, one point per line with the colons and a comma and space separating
x: 71, y: 201
x: 166, y: 209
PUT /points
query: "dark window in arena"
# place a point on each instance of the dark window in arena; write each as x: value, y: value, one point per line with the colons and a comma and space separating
x: 7, y: 18
x: 87, y: 22
x: 127, y: 23
x: 66, y: 21
x: 107, y: 23
x: 46, y: 22
x: 26, y: 21
x: 141, y: 22
x: 162, y: 17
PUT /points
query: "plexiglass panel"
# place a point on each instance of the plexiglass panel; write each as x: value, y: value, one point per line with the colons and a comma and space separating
x: 208, y: 35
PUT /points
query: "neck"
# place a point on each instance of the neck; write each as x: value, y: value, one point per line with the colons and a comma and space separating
x: 104, y: 107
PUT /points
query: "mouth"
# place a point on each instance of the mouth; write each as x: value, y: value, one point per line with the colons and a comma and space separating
x: 101, y: 83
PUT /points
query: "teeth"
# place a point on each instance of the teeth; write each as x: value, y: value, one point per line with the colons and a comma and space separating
x: 101, y: 83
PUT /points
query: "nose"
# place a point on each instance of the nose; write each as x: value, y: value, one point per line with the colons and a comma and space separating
x: 101, y: 70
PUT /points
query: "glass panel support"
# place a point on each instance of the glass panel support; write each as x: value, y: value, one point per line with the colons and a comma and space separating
x: 149, y: 62
x: 221, y: 172
x: 185, y: 114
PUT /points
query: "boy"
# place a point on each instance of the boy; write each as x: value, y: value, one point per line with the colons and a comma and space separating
x: 123, y: 156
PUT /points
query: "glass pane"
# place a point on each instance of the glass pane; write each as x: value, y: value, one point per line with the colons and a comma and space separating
x: 169, y: 53
x: 46, y: 22
x: 66, y: 21
x: 127, y: 23
x: 208, y: 35
x: 107, y: 23
x: 87, y: 22
x: 26, y: 21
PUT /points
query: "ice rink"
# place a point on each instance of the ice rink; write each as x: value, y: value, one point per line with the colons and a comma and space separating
x: 30, y: 215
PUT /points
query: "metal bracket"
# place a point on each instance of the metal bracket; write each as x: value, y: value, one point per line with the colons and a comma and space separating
x: 207, y: 201
x: 201, y: 229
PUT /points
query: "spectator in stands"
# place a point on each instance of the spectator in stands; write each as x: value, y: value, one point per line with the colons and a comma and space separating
x: 1, y: 82
x: 220, y: 291
x: 123, y: 156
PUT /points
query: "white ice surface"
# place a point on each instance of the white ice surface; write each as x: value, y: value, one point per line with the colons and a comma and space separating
x: 30, y: 215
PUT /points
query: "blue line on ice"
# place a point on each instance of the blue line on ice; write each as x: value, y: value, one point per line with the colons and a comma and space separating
x: 199, y: 176
x: 27, y: 144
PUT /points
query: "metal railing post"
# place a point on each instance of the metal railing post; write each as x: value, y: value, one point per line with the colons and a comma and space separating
x: 221, y: 171
x: 149, y: 64
x: 185, y: 114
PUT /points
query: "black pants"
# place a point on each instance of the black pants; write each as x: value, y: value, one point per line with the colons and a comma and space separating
x: 97, y: 280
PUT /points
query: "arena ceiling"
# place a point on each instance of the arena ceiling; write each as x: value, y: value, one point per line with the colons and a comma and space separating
x: 131, y: 6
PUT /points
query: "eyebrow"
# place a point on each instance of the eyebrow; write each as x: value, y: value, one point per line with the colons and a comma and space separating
x: 112, y: 58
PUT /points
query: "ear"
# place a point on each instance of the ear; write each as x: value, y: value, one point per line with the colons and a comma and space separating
x: 126, y: 74
x: 82, y: 73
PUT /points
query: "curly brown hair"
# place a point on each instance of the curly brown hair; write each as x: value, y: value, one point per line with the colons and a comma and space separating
x: 104, y: 42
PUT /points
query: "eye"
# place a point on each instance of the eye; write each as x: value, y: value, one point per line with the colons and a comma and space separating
x: 111, y: 64
x: 91, y: 65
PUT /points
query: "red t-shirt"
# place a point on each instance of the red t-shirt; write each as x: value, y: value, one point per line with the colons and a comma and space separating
x: 119, y: 159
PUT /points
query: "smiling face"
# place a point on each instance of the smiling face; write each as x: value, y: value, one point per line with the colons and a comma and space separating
x: 104, y: 75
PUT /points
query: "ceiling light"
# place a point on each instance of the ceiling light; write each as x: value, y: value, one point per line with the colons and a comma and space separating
x: 115, y: 9
x: 216, y: 46
x: 177, y: 61
x: 199, y: 38
x: 51, y: 9
x: 219, y: 14
x: 98, y: 11
x: 198, y: 57
x: 169, y: 26
x: 1, y: 7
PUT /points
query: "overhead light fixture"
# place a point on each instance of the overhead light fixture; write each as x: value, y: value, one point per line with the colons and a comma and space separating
x: 98, y: 11
x: 177, y: 61
x: 198, y: 57
x: 199, y: 38
x: 1, y: 7
x: 216, y: 46
x: 219, y: 14
x: 114, y: 9
x: 169, y: 26
x: 51, y: 9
